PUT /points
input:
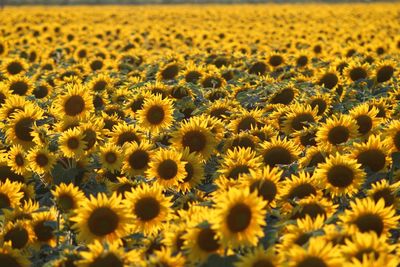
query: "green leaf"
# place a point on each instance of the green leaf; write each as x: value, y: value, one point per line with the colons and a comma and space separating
x: 62, y: 175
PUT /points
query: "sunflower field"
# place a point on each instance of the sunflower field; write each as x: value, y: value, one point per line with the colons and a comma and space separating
x: 208, y: 135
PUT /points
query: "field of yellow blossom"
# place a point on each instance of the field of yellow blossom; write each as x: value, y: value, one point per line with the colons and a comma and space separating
x: 206, y: 135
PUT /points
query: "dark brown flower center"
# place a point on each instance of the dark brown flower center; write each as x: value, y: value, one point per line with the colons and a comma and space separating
x: 167, y: 169
x: 103, y: 221
x: 369, y: 222
x: 74, y: 105
x: 340, y: 176
x: 302, y: 191
x: 110, y: 259
x: 206, y: 240
x: 239, y: 218
x: 277, y: 155
x: 147, y: 208
x: 265, y: 188
x: 43, y: 231
x: 374, y: 159
x: 23, y: 129
x: 18, y: 236
x: 338, y: 135
x: 155, y: 115
x: 196, y: 141
x: 311, y: 261
x: 139, y: 159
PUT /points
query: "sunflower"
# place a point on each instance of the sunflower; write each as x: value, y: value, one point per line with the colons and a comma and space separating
x: 43, y: 228
x: 365, y: 117
x: 192, y: 72
x: 14, y: 66
x: 357, y: 71
x: 15, y: 103
x: 276, y: 59
x: 42, y: 90
x: 385, y: 109
x: 258, y: 67
x: 322, y: 102
x: 329, y: 78
x: 123, y: 133
x: 392, y: 135
x: 200, y: 239
x: 239, y: 217
x: 301, y: 232
x: 101, y: 82
x: 301, y: 59
x: 3, y: 47
x: 265, y: 181
x: 19, y: 129
x: 341, y: 175
x: 318, y: 253
x: 367, y: 245
x: 336, y: 131
x: 306, y: 137
x: 299, y: 117
x: 246, y: 120
x: 221, y: 109
x: 156, y: 114
x: 165, y: 257
x: 195, y: 135
x: 19, y: 85
x: 367, y: 216
x: 260, y: 257
x: 41, y: 160
x: 13, y: 257
x: 4, y: 94
x: 28, y: 192
x: 72, y: 144
x: 168, y: 72
x: 149, y: 207
x: 284, y: 95
x: 300, y: 186
x: 17, y: 159
x: 110, y: 157
x: 21, y: 212
x: 310, y: 207
x: 97, y: 64
x: 194, y: 171
x: 19, y: 233
x: 173, y: 236
x: 75, y: 102
x: 136, y: 102
x: 167, y: 167
x: 372, y: 155
x: 106, y: 254
x: 68, y: 197
x: 385, y: 70
x: 383, y: 190
x: 181, y: 91
x: 121, y: 186
x: 238, y: 162
x: 10, y: 194
x: 212, y: 79
x: 155, y: 89
x: 279, y: 151
x: 93, y: 132
x: 101, y: 218
x: 383, y: 260
x: 313, y: 156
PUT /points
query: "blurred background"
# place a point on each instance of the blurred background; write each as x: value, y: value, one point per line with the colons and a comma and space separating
x: 141, y: 2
